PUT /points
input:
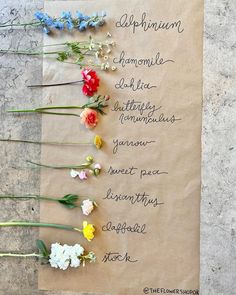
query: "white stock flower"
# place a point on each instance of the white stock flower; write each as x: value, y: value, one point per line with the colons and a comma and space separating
x: 87, y: 207
x: 64, y: 256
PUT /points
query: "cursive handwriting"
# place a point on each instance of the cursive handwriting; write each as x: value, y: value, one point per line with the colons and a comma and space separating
x: 116, y: 256
x: 146, y: 111
x: 122, y: 228
x: 137, y: 198
x: 139, y: 106
x: 162, y: 118
x: 127, y: 21
x: 130, y: 143
x: 132, y: 171
x: 133, y: 85
x: 145, y: 172
x: 157, y: 60
x: 124, y: 171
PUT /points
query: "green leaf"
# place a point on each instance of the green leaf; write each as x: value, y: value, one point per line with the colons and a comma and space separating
x: 42, y: 248
x: 71, y: 198
x: 62, y: 56
x: 69, y: 201
x: 69, y: 206
x: 79, y: 59
x: 75, y: 48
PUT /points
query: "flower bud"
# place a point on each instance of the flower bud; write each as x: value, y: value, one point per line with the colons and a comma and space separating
x: 89, y: 159
x: 98, y: 142
x: 107, y: 97
x: 96, y: 171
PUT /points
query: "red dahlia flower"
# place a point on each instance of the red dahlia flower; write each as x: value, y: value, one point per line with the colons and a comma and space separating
x: 91, y: 82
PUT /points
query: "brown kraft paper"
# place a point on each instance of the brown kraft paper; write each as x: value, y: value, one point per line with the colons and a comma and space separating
x: 150, y: 183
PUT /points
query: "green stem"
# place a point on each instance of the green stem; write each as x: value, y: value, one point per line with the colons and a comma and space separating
x: 38, y: 224
x: 27, y: 52
x: 39, y: 110
x: 47, y: 142
x: 59, y: 107
x: 20, y: 255
x: 55, y: 84
x: 55, y: 113
x: 83, y: 64
x: 36, y: 197
x: 20, y: 25
x: 83, y: 166
x: 43, y: 110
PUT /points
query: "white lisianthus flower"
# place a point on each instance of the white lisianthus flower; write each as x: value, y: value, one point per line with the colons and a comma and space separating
x: 64, y: 256
x: 87, y: 207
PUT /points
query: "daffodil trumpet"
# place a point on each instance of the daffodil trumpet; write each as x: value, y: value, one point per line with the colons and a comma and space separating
x: 97, y: 142
x: 73, y: 256
x: 87, y: 231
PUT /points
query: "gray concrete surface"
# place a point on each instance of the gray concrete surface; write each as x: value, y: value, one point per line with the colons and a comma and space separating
x: 218, y: 210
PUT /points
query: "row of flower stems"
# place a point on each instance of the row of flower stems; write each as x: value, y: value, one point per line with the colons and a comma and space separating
x: 76, y: 53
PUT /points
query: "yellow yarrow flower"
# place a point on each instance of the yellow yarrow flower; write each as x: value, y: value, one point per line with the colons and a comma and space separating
x: 98, y: 142
x: 88, y: 230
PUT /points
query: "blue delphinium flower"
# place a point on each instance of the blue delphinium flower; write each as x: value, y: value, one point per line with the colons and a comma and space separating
x: 66, y: 15
x: 80, y: 15
x: 58, y: 25
x: 69, y: 25
x: 39, y: 15
x: 83, y: 25
x: 46, y: 30
x: 86, y: 17
x: 93, y: 24
x: 48, y: 20
x: 66, y: 21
